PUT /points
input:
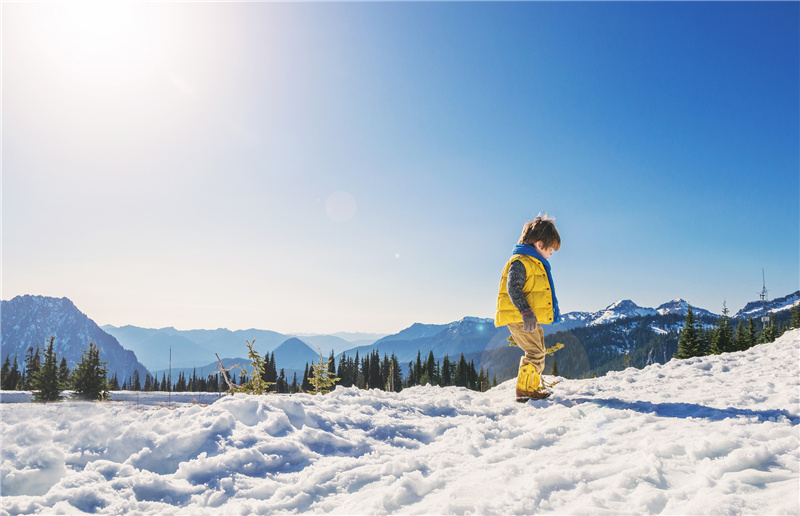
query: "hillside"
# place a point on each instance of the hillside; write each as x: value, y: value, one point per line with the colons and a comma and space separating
x: 679, y: 438
x: 29, y: 321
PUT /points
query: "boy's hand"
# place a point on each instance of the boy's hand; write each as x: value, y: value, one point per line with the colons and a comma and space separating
x: 529, y: 321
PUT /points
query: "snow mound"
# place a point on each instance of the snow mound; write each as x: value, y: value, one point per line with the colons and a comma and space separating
x: 710, y: 435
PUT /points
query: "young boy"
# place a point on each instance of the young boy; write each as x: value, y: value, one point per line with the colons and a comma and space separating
x: 527, y: 299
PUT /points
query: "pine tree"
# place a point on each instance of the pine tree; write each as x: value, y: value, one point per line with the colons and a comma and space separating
x: 89, y: 378
x: 257, y: 384
x: 722, y: 339
x: 769, y: 333
x: 554, y: 372
x: 395, y: 375
x: 740, y: 341
x: 322, y: 381
x: 136, y: 381
x: 63, y: 374
x: 45, y: 380
x: 462, y: 375
x: 305, y: 385
x: 374, y: 380
x: 282, y: 386
x: 795, y: 323
x: 688, y: 343
x: 4, y: 373
x: 32, y: 365
x: 752, y: 334
x: 445, y: 374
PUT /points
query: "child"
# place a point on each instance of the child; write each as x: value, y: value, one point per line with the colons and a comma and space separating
x: 527, y: 299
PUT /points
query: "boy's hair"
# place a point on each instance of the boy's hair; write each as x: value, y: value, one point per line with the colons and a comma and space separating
x: 541, y: 229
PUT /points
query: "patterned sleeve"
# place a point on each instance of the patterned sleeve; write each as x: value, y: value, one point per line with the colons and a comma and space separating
x: 516, y: 280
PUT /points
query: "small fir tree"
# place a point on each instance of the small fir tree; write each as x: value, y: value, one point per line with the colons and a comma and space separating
x: 45, y: 380
x: 688, y: 344
x: 740, y: 341
x: 795, y: 323
x: 322, y: 381
x: 63, y: 374
x: 89, y: 378
x: 722, y: 338
x: 769, y: 333
x: 256, y: 384
x: 32, y: 365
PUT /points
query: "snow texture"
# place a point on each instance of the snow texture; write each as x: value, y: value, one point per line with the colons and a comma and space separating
x: 710, y: 435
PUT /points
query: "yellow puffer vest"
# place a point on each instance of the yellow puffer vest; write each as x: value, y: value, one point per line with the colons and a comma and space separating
x: 536, y: 289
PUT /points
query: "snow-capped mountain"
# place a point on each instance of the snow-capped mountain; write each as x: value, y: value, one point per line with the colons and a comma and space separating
x: 622, y: 309
x: 28, y: 321
x: 755, y: 308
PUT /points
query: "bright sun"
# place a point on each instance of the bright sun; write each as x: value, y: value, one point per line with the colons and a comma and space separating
x: 98, y: 38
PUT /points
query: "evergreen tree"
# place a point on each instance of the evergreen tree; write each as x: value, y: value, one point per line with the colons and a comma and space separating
x: 769, y: 333
x: 63, y: 374
x: 795, y: 323
x: 89, y: 378
x: 688, y: 344
x: 4, y: 373
x: 332, y: 364
x: 722, y: 339
x: 462, y: 375
x: 445, y: 373
x: 322, y: 381
x: 375, y: 381
x: 418, y: 369
x: 411, y: 380
x: 554, y: 372
x: 32, y: 365
x: 295, y: 387
x: 305, y: 386
x: 282, y: 386
x: 752, y: 334
x: 483, y: 381
x: 740, y: 341
x: 431, y: 370
x: 45, y: 380
x: 113, y: 384
x: 395, y: 375
x: 257, y: 384
x: 136, y: 381
x: 343, y: 372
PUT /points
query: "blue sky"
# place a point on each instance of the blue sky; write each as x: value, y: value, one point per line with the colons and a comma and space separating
x: 326, y: 167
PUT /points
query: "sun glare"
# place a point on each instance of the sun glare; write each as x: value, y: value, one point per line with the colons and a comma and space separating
x: 99, y: 38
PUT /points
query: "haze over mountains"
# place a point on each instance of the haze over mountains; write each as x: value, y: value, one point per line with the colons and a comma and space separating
x: 28, y: 321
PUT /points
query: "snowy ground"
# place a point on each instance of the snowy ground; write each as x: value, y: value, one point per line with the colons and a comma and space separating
x: 712, y: 435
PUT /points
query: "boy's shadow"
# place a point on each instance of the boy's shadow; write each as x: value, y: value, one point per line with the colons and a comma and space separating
x: 684, y: 410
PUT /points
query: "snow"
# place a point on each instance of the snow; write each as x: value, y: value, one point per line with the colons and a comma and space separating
x: 710, y: 435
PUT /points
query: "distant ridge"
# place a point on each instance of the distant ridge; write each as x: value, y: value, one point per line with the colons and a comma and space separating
x: 28, y: 321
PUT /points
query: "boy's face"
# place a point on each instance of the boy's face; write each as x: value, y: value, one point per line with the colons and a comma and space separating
x: 545, y: 252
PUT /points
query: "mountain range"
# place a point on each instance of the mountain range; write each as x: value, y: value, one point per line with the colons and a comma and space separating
x: 29, y: 320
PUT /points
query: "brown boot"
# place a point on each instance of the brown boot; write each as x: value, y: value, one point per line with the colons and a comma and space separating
x: 523, y: 396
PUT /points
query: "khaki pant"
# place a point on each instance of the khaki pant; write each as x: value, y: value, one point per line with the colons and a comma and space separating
x: 532, y: 343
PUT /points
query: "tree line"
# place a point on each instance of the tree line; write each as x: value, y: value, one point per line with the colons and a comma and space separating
x: 697, y: 340
x: 43, y: 374
x: 48, y: 378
